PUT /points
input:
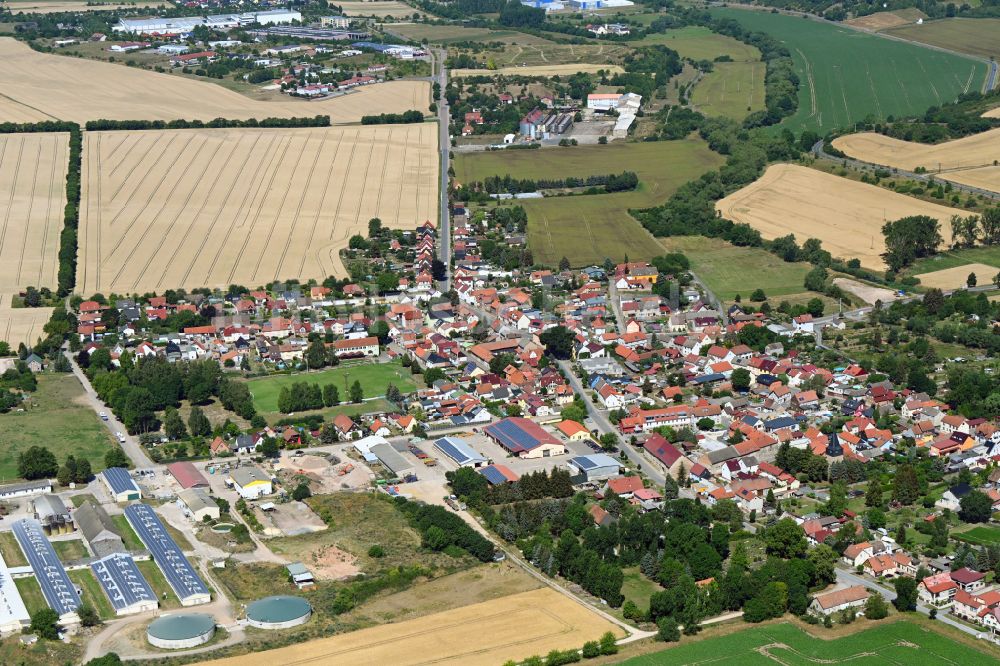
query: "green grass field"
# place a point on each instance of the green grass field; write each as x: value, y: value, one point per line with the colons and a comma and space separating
x: 61, y: 422
x: 92, y: 595
x: 729, y: 270
x: 894, y: 643
x: 846, y: 75
x: 586, y: 229
x: 31, y: 594
x: 74, y: 549
x: 981, y: 535
x: 979, y: 37
x: 164, y: 593
x: 11, y: 551
x: 732, y: 89
x: 952, y: 258
x: 699, y: 43
x: 374, y: 378
x: 129, y: 537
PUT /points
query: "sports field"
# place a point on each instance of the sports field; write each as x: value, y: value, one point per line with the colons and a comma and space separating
x: 586, y: 229
x: 895, y: 643
x: 969, y: 160
x: 374, y: 378
x: 39, y: 86
x: 538, y: 70
x: 731, y: 89
x: 847, y: 74
x: 484, y: 634
x: 700, y: 43
x: 846, y: 215
x: 978, y: 37
x: 981, y: 535
x: 953, y: 278
x: 207, y: 208
x: 32, y: 199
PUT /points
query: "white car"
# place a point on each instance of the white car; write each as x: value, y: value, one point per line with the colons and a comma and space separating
x: 104, y: 416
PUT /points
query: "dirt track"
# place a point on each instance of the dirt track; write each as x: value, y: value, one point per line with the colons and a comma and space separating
x: 847, y: 216
x: 38, y: 86
x: 484, y: 634
x: 208, y: 208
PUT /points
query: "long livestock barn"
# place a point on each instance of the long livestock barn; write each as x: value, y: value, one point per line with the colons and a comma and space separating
x: 124, y: 584
x: 58, y: 590
x: 13, y: 614
x: 184, y: 580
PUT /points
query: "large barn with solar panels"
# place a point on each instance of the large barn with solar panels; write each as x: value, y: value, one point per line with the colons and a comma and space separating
x: 524, y: 438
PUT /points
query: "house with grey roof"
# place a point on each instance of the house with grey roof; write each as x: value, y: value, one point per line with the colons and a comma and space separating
x: 99, y: 530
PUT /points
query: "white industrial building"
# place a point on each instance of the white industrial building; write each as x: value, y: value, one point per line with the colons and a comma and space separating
x: 161, y: 25
x: 13, y: 614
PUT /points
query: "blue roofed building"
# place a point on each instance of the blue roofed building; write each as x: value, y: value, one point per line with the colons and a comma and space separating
x: 123, y: 583
x: 497, y: 475
x: 460, y: 451
x: 524, y: 438
x: 167, y: 555
x: 58, y: 590
x: 120, y: 484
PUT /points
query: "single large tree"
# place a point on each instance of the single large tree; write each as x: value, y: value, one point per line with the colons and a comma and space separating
x: 976, y: 507
x: 37, y: 462
x: 910, y: 238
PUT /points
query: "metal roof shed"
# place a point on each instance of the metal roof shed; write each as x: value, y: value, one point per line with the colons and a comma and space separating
x: 597, y: 467
x: 394, y: 462
x: 122, y: 487
x: 187, y: 475
x: 463, y: 454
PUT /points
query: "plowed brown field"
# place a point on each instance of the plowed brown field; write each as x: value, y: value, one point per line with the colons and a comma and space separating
x: 39, y: 86
x: 208, y: 208
x: 846, y: 215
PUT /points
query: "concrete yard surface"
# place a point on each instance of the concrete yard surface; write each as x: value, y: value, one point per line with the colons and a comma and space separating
x: 483, y: 634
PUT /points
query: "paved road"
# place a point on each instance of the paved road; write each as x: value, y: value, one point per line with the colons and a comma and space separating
x: 131, y: 446
x: 605, y: 427
x: 850, y: 578
x: 444, y: 144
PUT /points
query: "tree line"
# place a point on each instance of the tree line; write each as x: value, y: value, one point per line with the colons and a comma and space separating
x: 476, y: 489
x: 305, y: 396
x: 39, y: 127
x: 106, y: 125
x: 71, y: 214
x: 411, y: 116
x: 441, y: 529
x: 624, y: 181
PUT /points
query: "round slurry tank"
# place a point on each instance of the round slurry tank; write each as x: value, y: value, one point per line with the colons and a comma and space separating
x: 183, y: 630
x: 278, y: 612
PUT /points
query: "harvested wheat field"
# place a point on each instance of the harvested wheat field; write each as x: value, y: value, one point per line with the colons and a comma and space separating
x: 19, y: 325
x: 47, y: 7
x: 377, y: 8
x: 484, y: 634
x: 212, y: 207
x: 992, y: 113
x: 39, y: 86
x: 32, y: 199
x: 970, y: 160
x: 954, y: 278
x: 845, y: 214
x: 884, y: 20
x: 538, y: 70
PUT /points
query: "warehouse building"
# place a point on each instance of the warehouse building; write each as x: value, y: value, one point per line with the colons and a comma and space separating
x: 198, y: 504
x: 99, y: 530
x: 176, y: 568
x: 250, y: 482
x: 187, y: 475
x: 524, y: 438
x: 596, y: 467
x: 13, y: 613
x: 124, y: 584
x: 180, y: 631
x: 459, y: 451
x: 121, y: 486
x: 163, y: 25
x: 392, y: 461
x: 58, y: 590
x: 26, y: 489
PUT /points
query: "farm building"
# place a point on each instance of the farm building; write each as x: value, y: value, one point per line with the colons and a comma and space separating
x: 573, y: 431
x: 124, y: 585
x: 184, y: 630
x: 99, y: 530
x: 524, y: 438
x: 834, y: 602
x: 463, y: 454
x: 300, y: 575
x: 597, y: 467
x: 497, y: 475
x: 187, y: 475
x: 356, y: 348
x: 394, y: 462
x: 26, y: 489
x: 180, y: 575
x: 13, y: 614
x: 52, y: 513
x: 57, y: 588
x: 278, y: 612
x: 121, y: 486
x: 250, y: 482
x: 198, y: 504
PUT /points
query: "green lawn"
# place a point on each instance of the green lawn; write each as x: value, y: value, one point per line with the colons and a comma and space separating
x: 74, y: 549
x: 164, y: 593
x: 980, y: 535
x: 129, y: 537
x: 637, y: 588
x: 586, y: 229
x: 846, y: 75
x: 978, y: 37
x: 699, y: 43
x: 374, y: 378
x: 732, y: 89
x: 952, y: 258
x: 57, y: 419
x: 31, y: 594
x: 11, y: 551
x: 729, y: 270
x: 93, y: 595
x: 893, y: 643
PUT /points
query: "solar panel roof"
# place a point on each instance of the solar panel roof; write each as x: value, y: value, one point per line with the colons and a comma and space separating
x: 57, y: 588
x: 119, y: 479
x: 518, y: 434
x: 122, y: 581
x: 457, y: 450
x: 493, y: 475
x: 587, y: 463
x: 166, y: 553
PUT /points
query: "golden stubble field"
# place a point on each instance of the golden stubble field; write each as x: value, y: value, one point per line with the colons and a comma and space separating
x: 379, y: 9
x: 484, y: 634
x: 847, y: 216
x: 955, y: 278
x: 209, y: 208
x: 51, y: 7
x: 39, y: 86
x: 968, y: 161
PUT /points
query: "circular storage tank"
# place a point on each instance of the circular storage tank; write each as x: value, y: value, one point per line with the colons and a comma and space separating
x: 184, y: 630
x: 278, y: 612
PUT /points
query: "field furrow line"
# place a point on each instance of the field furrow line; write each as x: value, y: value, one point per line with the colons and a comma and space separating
x: 182, y: 173
x: 927, y: 77
x: 812, y: 82
x: 902, y: 88
x: 322, y: 203
x: 323, y: 249
x: 122, y: 153
x: 10, y: 200
x: 298, y: 210
x: 871, y: 86
x: 193, y: 219
x: 139, y: 178
x: 52, y: 196
x: 260, y: 204
x: 402, y: 173
x: 27, y: 216
x: 385, y: 167
x: 365, y: 181
x: 237, y: 177
x: 131, y: 224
